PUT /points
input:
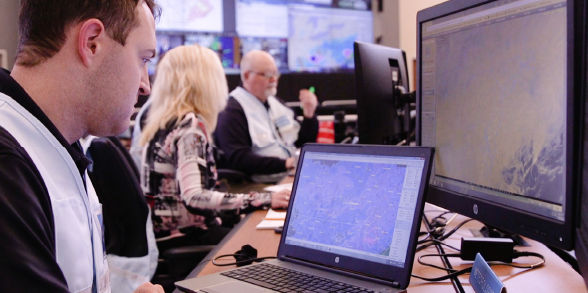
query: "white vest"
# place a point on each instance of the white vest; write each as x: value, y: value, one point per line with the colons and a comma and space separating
x: 128, y: 273
x: 77, y: 214
x: 272, y: 132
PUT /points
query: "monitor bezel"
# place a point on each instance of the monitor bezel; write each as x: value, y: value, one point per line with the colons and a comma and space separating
x: 581, y: 237
x: 383, y: 273
x: 541, y: 228
x: 377, y: 118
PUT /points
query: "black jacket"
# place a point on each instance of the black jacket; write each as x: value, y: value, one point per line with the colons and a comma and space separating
x: 233, y: 138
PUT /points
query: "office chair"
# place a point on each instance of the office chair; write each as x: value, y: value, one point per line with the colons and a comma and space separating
x: 125, y: 212
x: 231, y: 176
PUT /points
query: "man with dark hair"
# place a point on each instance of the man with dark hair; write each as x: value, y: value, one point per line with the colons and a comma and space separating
x: 79, y: 69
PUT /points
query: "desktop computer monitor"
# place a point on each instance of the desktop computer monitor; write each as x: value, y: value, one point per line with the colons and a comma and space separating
x: 497, y: 97
x: 381, y: 77
x: 581, y: 239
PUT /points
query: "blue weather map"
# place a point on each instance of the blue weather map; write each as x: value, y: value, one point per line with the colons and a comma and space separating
x: 339, y: 188
x: 322, y: 39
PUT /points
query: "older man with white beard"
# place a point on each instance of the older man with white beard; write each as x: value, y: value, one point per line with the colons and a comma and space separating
x: 256, y: 131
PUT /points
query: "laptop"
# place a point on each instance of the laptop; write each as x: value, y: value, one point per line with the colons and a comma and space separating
x: 352, y: 223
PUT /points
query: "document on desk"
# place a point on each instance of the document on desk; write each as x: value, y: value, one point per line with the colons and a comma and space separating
x: 278, y: 187
x: 272, y: 219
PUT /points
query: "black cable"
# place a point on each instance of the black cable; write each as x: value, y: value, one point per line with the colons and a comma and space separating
x: 454, y: 273
x: 428, y: 242
x: 426, y: 239
x: 436, y: 229
x: 436, y: 266
x: 246, y: 255
x: 517, y: 254
x: 451, y: 275
x: 240, y: 262
x: 454, y: 280
x: 441, y: 216
x: 438, y: 234
x: 446, y: 235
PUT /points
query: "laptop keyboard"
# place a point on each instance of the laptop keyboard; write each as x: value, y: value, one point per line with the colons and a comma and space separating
x: 286, y: 280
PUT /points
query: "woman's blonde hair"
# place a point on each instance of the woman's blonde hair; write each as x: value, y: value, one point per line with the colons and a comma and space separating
x: 189, y: 79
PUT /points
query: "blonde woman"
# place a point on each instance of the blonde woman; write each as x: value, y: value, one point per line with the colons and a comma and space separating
x: 178, y: 173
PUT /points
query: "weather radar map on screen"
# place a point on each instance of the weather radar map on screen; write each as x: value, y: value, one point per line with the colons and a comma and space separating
x: 193, y: 15
x: 303, y: 35
x: 505, y: 136
x: 365, y: 205
x: 322, y: 38
x: 262, y: 18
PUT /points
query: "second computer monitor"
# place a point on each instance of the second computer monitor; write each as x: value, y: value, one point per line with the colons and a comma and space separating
x: 381, y: 77
x: 498, y: 99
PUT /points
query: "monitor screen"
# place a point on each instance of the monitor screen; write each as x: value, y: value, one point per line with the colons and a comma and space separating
x: 277, y: 47
x: 262, y: 18
x: 380, y: 76
x: 354, y: 213
x: 496, y: 100
x: 321, y: 38
x: 319, y: 34
x: 224, y: 46
x: 194, y: 15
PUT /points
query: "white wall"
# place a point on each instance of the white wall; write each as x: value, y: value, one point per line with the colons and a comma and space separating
x: 407, y: 14
x: 9, y: 28
x: 386, y: 23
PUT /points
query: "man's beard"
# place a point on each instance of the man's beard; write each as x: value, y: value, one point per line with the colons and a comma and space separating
x: 271, y: 91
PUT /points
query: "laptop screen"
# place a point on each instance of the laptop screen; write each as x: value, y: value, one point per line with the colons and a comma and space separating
x: 357, y: 205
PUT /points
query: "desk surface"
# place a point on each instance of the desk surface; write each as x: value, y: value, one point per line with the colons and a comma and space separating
x: 556, y: 275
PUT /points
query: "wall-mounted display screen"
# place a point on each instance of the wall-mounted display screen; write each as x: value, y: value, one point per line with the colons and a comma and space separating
x: 321, y: 39
x: 193, y: 16
x: 302, y: 35
x: 261, y: 18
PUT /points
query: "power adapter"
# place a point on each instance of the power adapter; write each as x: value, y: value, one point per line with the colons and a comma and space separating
x: 492, y: 249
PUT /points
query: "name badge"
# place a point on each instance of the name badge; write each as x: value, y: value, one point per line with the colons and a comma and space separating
x: 483, y: 279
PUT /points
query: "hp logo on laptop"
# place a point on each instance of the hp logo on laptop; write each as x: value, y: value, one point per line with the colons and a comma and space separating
x: 336, y: 259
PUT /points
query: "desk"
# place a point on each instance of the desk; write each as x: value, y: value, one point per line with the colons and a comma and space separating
x: 555, y: 276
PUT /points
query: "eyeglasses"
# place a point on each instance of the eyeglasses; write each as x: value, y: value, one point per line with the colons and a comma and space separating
x: 268, y: 75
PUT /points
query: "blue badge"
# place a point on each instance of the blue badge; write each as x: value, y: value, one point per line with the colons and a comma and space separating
x: 483, y: 279
x: 99, y: 216
x: 282, y: 121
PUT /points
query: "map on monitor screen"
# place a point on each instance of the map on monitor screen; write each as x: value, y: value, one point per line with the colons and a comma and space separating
x: 193, y: 15
x: 322, y: 38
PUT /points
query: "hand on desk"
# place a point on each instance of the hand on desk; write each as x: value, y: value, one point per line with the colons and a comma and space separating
x: 290, y: 163
x: 149, y: 288
x: 280, y: 199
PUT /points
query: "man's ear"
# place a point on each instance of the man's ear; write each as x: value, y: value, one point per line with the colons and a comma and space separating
x: 90, y: 40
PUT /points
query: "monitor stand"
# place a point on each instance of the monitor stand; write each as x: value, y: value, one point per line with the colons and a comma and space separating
x: 489, y: 231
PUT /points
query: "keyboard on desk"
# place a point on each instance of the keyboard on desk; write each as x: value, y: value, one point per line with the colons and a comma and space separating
x: 286, y: 280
